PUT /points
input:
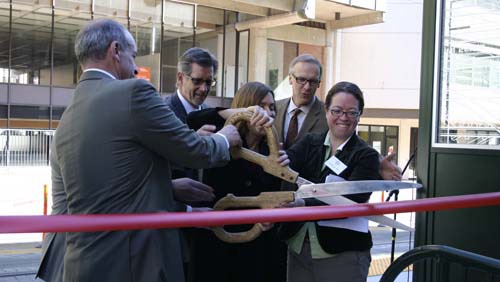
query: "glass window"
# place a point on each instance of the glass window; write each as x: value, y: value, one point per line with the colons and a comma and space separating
x: 384, y: 139
x: 4, y: 40
x: 145, y: 26
x: 31, y: 38
x: 469, y: 94
x: 215, y: 32
x: 178, y: 30
x: 117, y: 10
x: 69, y: 17
x: 275, y: 68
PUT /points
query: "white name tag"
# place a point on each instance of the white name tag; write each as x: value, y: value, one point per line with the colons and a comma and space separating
x: 335, y: 165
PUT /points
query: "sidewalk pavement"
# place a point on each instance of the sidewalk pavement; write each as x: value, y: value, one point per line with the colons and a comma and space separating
x: 22, y: 259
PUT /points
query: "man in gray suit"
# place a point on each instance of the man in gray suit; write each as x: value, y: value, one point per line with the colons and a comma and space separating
x: 112, y: 151
x: 303, y: 110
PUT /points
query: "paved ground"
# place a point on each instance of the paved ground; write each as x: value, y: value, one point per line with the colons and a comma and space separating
x: 19, y: 262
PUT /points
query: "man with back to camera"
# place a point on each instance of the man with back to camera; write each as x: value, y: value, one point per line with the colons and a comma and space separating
x: 113, y: 150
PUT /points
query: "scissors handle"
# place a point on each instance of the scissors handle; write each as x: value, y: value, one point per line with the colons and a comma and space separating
x: 264, y: 200
x: 268, y: 163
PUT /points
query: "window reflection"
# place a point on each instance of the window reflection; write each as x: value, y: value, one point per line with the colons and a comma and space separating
x: 178, y: 29
x: 470, y: 76
x: 70, y: 16
x: 145, y: 26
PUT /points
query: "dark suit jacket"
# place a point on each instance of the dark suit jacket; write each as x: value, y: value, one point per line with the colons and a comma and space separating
x: 175, y: 104
x: 114, y: 146
x: 54, y: 244
x: 173, y: 101
x: 315, y: 121
x: 307, y: 157
x: 263, y: 259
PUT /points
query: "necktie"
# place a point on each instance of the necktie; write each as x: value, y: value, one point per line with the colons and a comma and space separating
x: 293, y: 129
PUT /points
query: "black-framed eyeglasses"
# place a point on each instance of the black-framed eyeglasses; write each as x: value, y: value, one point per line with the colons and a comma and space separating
x: 302, y: 80
x: 349, y: 114
x: 200, y: 81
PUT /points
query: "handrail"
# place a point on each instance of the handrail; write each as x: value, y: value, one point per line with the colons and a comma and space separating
x: 443, y: 254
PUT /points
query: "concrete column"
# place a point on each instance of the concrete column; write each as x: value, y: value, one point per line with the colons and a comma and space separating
x: 329, y: 67
x: 220, y: 72
x: 257, y: 55
x: 332, y: 57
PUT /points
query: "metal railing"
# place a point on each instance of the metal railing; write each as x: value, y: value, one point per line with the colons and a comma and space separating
x: 25, y: 147
x: 472, y: 267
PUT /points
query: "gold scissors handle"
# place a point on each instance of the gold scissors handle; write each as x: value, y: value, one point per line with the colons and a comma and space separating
x: 268, y: 163
x: 264, y: 200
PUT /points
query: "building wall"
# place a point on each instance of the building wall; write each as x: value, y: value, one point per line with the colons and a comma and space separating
x: 384, y: 60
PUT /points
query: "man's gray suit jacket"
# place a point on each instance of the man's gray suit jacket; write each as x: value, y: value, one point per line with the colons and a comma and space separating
x: 315, y: 120
x: 175, y: 103
x: 115, y: 144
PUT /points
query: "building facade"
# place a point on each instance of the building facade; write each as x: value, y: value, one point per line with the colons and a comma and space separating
x: 374, y: 43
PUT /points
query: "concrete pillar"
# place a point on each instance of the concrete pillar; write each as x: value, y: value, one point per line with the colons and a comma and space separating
x: 220, y: 72
x: 332, y: 56
x: 257, y: 55
x: 329, y: 67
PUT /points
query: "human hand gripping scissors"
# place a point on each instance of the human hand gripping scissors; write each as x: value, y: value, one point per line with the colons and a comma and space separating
x: 329, y: 193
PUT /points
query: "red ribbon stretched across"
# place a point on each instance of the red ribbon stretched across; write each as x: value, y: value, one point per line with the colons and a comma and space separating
x: 81, y: 223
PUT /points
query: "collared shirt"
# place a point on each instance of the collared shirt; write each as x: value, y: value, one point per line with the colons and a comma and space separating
x: 328, y: 146
x: 101, y: 71
x: 187, y: 106
x: 295, y: 243
x: 301, y: 116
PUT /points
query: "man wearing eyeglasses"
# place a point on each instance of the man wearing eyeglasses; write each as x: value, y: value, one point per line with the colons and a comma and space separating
x: 195, y: 77
x: 303, y: 112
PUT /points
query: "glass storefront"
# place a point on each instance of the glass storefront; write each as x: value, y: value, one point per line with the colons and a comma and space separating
x: 37, y: 48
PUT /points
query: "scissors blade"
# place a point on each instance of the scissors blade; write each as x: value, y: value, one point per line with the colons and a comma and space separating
x: 302, y: 181
x: 384, y: 220
x: 351, y: 187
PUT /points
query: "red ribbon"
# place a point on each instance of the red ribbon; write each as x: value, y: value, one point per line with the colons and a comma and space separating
x: 82, y: 223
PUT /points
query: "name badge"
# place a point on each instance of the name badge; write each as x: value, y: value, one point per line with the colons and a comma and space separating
x: 335, y: 165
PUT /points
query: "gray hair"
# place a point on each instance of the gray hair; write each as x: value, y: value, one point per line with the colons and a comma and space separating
x: 94, y: 39
x: 198, y: 56
x: 306, y: 58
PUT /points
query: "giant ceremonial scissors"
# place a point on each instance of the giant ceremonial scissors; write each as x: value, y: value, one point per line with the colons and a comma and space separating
x: 329, y: 193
